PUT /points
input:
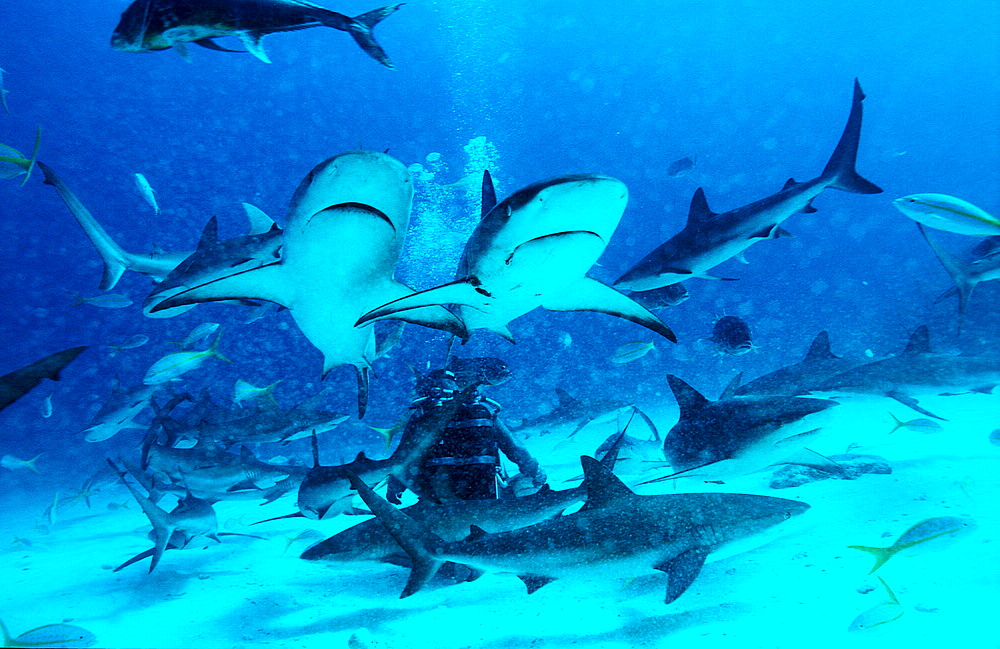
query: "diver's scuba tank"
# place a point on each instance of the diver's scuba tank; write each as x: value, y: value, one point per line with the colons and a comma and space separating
x: 467, y: 457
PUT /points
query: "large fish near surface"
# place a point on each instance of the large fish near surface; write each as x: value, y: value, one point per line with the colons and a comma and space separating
x: 18, y: 383
x: 344, y: 234
x: 708, y: 239
x: 616, y: 533
x: 532, y: 250
x: 151, y: 25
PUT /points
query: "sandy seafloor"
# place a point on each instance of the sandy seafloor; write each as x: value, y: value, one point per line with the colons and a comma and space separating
x: 801, y: 589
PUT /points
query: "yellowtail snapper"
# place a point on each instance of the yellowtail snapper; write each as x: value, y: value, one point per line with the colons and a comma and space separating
x: 943, y: 212
x: 878, y: 615
x: 924, y: 425
x: 928, y: 535
x: 50, y: 635
x: 631, y: 352
x: 173, y: 365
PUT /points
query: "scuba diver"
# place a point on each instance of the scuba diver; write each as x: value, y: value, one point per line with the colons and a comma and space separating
x: 464, y: 464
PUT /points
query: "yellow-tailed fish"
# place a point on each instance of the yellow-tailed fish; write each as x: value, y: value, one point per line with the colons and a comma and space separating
x: 146, y: 191
x: 926, y: 536
x: 243, y: 391
x: 878, y: 615
x: 631, y: 351
x: 50, y: 635
x: 13, y: 163
x: 924, y: 425
x: 948, y: 213
x: 390, y: 433
x: 173, y: 365
x: 104, y: 300
x: 204, y: 330
x: 135, y: 341
x: 13, y: 463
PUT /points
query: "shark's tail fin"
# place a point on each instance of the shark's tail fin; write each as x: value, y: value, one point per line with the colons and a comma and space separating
x: 881, y: 555
x: 116, y: 260
x: 959, y: 271
x: 421, y: 544
x: 360, y: 28
x: 839, y: 171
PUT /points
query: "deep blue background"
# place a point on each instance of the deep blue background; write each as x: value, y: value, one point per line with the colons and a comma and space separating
x: 757, y: 90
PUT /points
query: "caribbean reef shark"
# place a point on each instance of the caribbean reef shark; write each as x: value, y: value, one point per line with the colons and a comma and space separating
x: 18, y: 383
x: 534, y: 250
x: 616, y: 533
x: 358, y: 205
x: 819, y: 364
x: 708, y: 239
x: 966, y: 275
x: 151, y: 25
x: 735, y: 434
x: 571, y: 410
x: 916, y: 372
x: 119, y: 412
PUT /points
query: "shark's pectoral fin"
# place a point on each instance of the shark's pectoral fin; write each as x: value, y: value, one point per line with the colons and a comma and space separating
x: 682, y: 571
x: 252, y: 41
x: 267, y: 283
x: 434, y: 316
x: 466, y: 292
x: 534, y: 582
x: 591, y: 295
x: 136, y: 558
x: 910, y: 402
x: 363, y: 381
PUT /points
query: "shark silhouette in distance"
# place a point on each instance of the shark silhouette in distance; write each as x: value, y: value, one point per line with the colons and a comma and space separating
x: 532, y: 250
x: 965, y: 274
x: 571, y: 410
x: 357, y: 204
x: 18, y: 383
x: 917, y: 371
x: 819, y: 364
x: 736, y: 434
x: 708, y: 239
x: 616, y: 533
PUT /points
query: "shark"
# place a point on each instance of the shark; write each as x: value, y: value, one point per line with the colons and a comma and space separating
x: 819, y: 364
x: 357, y: 204
x: 616, y: 533
x: 736, y: 434
x: 708, y: 239
x: 966, y: 275
x: 152, y: 25
x: 917, y: 371
x: 119, y: 412
x: 20, y: 382
x: 571, y: 410
x: 533, y: 250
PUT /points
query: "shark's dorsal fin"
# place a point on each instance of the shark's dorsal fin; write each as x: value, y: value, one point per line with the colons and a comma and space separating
x: 730, y: 390
x: 360, y: 457
x: 603, y: 488
x: 789, y: 183
x: 820, y: 348
x: 210, y: 235
x: 699, y: 211
x: 565, y: 398
x: 919, y: 342
x: 489, y: 194
x: 688, y: 399
x: 476, y: 533
x: 534, y: 582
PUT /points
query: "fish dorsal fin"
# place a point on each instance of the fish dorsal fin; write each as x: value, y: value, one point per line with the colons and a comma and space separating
x: 476, y: 533
x: 730, y: 390
x: 919, y: 342
x: 699, y: 211
x: 489, y: 200
x: 688, y: 399
x: 820, y: 348
x: 259, y: 221
x: 565, y: 399
x: 603, y: 487
x: 210, y: 235
x: 789, y: 183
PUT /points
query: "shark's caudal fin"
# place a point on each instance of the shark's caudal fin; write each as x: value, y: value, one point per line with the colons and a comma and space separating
x: 116, y: 260
x: 163, y: 527
x: 360, y: 28
x: 960, y: 273
x: 839, y: 171
x: 418, y: 542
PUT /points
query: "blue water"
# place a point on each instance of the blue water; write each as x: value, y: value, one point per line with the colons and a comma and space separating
x: 758, y: 91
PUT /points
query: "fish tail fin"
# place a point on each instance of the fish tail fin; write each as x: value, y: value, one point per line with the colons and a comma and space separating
x: 214, y: 349
x: 839, y: 171
x: 899, y: 423
x: 422, y: 545
x: 5, y: 635
x: 268, y: 392
x: 881, y: 555
x: 960, y: 273
x: 360, y: 28
x: 30, y: 464
x: 116, y: 260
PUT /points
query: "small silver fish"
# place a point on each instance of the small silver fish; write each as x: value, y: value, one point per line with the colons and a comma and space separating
x: 146, y: 191
x: 135, y: 341
x: 878, y: 615
x: 104, y: 300
x: 565, y: 339
x: 631, y: 351
x: 923, y: 425
x: 682, y: 167
x: 202, y: 331
x: 46, y: 409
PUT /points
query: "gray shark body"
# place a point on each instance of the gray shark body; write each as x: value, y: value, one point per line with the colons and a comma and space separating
x: 344, y: 233
x: 20, y: 382
x: 119, y: 412
x: 819, y: 364
x: 708, y: 239
x: 571, y: 410
x: 967, y: 274
x: 616, y: 533
x: 533, y: 250
x: 724, y: 432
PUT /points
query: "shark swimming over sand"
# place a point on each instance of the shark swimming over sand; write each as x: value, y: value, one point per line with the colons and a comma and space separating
x: 616, y: 533
x: 151, y: 25
x: 18, y: 383
x: 532, y: 250
x: 819, y: 364
x: 571, y: 410
x: 357, y: 204
x: 708, y: 239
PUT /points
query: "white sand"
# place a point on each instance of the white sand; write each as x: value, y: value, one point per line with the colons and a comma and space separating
x: 801, y: 589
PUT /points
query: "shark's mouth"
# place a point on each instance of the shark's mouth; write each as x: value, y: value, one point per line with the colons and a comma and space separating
x: 356, y: 207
